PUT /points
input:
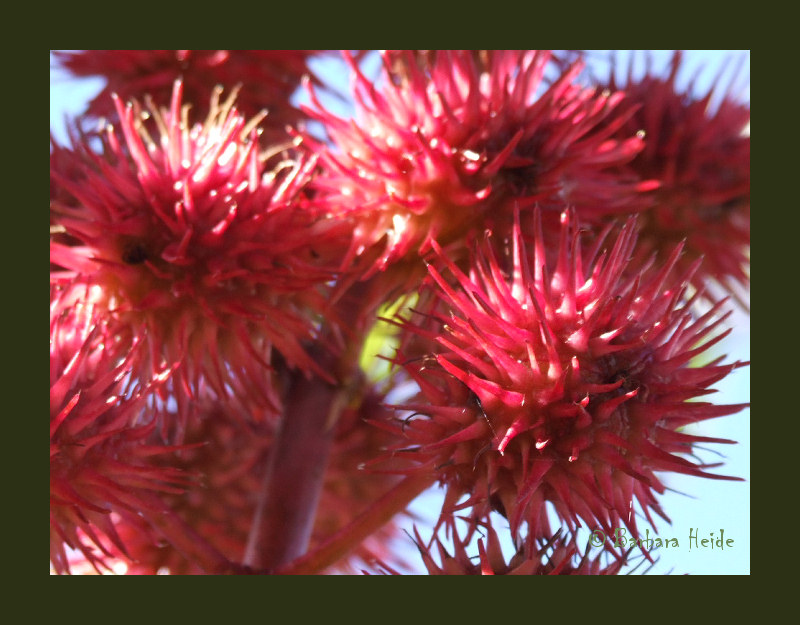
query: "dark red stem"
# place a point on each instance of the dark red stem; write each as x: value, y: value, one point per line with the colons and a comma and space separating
x: 287, y: 510
x: 352, y: 535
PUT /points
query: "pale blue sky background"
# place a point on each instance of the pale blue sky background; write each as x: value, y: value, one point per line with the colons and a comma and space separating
x: 707, y: 505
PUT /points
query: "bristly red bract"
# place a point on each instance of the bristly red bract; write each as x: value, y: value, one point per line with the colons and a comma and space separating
x: 555, y: 556
x: 350, y: 487
x: 449, y: 148
x: 560, y: 377
x: 698, y: 147
x: 189, y: 236
x: 101, y: 463
x: 229, y: 458
x: 269, y: 78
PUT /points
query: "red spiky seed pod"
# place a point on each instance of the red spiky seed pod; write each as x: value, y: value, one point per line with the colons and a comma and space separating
x: 563, y: 378
x: 452, y: 146
x: 270, y: 77
x: 101, y: 465
x: 192, y: 238
x: 698, y: 147
x: 556, y: 556
x: 424, y: 59
x: 61, y: 161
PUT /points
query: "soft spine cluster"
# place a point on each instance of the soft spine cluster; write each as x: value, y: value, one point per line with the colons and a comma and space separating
x: 557, y: 249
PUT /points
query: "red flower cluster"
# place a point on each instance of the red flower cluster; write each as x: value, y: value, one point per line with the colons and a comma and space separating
x: 451, y: 146
x: 214, y: 281
x: 562, y: 377
x: 556, y: 557
x: 219, y: 260
x: 699, y: 150
x: 101, y: 466
x: 270, y: 77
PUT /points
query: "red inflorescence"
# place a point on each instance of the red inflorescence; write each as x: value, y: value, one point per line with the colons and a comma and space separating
x: 563, y: 379
x: 190, y: 236
x: 557, y: 556
x: 101, y: 458
x: 269, y: 78
x: 211, y: 268
x: 699, y: 150
x: 449, y: 147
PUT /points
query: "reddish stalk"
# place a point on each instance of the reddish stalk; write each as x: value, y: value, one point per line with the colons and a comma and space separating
x: 287, y: 507
x: 286, y: 510
x: 370, y: 521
